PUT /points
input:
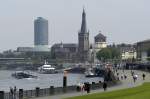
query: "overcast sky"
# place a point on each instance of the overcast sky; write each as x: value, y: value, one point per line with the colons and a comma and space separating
x: 122, y: 21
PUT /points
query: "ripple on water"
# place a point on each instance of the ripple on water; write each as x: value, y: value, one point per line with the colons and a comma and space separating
x: 43, y: 80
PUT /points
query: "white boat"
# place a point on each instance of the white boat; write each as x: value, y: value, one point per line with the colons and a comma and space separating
x: 47, y: 69
x: 90, y: 73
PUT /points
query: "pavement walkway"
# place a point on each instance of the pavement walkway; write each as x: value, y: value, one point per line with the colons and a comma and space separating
x: 126, y: 83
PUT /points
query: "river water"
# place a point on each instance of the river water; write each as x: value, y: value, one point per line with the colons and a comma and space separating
x: 43, y: 80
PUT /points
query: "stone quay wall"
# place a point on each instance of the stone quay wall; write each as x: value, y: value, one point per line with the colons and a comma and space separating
x: 38, y: 92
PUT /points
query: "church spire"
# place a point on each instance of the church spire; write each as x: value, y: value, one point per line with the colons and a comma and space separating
x: 83, y: 25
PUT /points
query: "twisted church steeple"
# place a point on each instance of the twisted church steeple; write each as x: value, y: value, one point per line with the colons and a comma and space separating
x: 83, y: 24
x: 83, y: 40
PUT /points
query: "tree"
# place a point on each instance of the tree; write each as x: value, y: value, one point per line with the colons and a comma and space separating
x: 115, y: 53
x: 104, y: 54
x: 108, y: 53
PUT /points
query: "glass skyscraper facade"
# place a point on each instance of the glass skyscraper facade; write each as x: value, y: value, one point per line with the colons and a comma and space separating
x: 40, y: 31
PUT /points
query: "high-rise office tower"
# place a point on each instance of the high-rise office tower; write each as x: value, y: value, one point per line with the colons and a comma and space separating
x: 41, y: 34
x: 83, y: 40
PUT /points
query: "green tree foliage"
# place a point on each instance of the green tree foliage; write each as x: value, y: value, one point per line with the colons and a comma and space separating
x: 108, y: 53
x: 104, y: 54
x: 115, y: 53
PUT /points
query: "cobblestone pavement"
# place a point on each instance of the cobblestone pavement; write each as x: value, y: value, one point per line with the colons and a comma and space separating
x: 126, y: 83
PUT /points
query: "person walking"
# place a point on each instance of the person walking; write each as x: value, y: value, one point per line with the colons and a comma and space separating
x: 125, y: 77
x: 105, y: 86
x: 82, y: 87
x: 88, y: 88
x: 11, y: 93
x: 121, y: 77
x: 15, y: 92
x: 143, y: 76
x: 117, y: 74
x: 135, y: 78
x: 132, y: 73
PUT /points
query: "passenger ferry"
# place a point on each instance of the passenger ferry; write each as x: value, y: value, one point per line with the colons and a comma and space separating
x: 47, y: 69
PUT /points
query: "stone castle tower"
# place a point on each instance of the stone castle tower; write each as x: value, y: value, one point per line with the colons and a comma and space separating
x: 83, y: 40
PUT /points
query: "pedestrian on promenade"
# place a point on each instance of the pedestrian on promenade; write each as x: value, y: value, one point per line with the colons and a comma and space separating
x: 105, y: 86
x: 15, y: 92
x: 116, y: 70
x: 11, y: 93
x: 117, y: 74
x: 88, y: 88
x: 135, y: 78
x: 82, y: 87
x: 143, y: 76
x: 125, y: 77
x: 121, y: 77
x: 132, y: 73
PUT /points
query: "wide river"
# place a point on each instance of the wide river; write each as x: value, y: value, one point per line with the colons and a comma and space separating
x: 43, y: 80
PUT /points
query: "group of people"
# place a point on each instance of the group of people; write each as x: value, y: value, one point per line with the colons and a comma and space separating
x: 123, y: 76
x: 135, y: 76
x: 13, y: 93
x: 86, y: 87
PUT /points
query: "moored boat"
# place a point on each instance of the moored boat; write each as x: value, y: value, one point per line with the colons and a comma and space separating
x: 47, y: 69
x: 90, y: 73
x: 22, y: 74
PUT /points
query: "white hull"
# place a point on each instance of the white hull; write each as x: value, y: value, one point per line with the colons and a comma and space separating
x: 42, y: 71
x: 46, y: 69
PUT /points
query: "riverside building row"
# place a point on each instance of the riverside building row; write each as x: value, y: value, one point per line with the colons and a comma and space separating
x: 69, y: 52
x: 83, y: 51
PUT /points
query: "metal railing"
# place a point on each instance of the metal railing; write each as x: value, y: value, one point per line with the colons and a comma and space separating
x: 37, y: 92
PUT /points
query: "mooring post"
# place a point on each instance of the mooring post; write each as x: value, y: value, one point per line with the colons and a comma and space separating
x: 20, y: 93
x: 1, y: 94
x: 51, y: 90
x: 37, y: 91
x: 65, y: 79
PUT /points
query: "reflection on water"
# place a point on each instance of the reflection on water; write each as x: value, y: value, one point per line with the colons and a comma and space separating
x: 43, y: 80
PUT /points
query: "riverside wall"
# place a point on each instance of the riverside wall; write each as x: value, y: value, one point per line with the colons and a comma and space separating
x: 38, y: 92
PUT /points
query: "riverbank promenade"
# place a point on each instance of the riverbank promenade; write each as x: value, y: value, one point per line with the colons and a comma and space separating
x: 125, y: 83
